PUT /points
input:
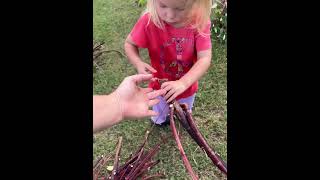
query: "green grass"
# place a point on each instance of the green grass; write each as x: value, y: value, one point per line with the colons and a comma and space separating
x: 113, y: 20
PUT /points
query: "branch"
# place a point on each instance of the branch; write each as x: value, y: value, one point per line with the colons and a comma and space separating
x: 116, y: 159
x: 98, y: 166
x: 183, y: 155
x: 215, y: 158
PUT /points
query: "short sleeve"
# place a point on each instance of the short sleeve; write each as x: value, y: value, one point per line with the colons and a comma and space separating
x: 203, y: 40
x: 139, y: 33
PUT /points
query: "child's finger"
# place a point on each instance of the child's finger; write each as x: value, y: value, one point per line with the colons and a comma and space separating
x: 170, y: 93
x: 151, y: 68
x: 138, y: 78
x: 165, y: 84
x: 145, y: 72
x: 154, y: 94
x: 172, y: 97
x: 167, y: 89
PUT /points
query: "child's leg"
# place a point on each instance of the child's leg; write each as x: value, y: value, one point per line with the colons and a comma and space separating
x: 163, y: 109
x: 189, y: 100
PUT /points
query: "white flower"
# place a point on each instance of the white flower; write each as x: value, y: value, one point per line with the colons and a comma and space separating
x: 214, y: 5
x: 224, y: 36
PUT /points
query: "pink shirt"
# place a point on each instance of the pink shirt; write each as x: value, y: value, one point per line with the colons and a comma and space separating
x: 172, y: 51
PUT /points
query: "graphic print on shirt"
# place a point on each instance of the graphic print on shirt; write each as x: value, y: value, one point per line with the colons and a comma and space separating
x: 178, y: 66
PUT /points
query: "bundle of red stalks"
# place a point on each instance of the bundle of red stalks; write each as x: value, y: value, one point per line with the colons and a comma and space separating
x: 140, y: 162
x: 180, y: 111
x: 136, y: 166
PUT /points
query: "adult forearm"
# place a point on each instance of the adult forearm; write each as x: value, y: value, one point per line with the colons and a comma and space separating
x: 106, y: 111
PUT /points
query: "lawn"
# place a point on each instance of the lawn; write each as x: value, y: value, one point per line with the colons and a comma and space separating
x: 112, y: 21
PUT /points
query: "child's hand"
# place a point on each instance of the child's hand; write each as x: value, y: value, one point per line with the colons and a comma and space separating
x: 144, y: 68
x: 173, y: 89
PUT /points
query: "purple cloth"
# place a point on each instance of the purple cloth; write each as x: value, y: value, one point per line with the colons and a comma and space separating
x: 163, y: 108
